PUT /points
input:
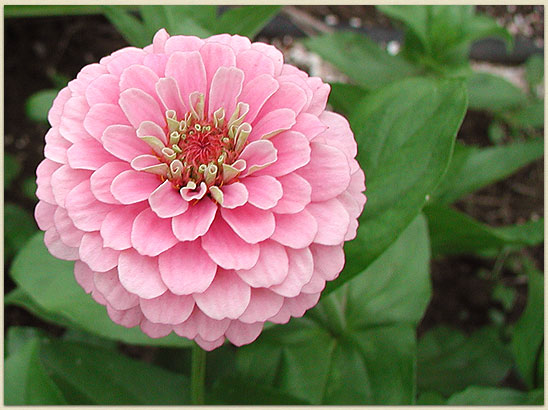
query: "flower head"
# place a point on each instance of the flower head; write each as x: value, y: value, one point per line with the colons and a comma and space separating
x: 200, y: 186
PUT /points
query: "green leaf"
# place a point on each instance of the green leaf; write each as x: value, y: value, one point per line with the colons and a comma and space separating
x: 528, y: 333
x: 19, y: 336
x: 494, y: 396
x: 246, y: 20
x: 496, y: 163
x: 493, y: 93
x: 453, y: 232
x: 197, y: 20
x: 531, y: 115
x: 448, y: 361
x: 26, y: 381
x: 345, y: 97
x: 131, y: 28
x: 18, y: 228
x: 12, y: 169
x: 53, y: 288
x: 534, y: 70
x: 415, y: 19
x: 405, y: 135
x: 90, y: 374
x: 41, y: 11
x: 37, y: 105
x: 430, y: 398
x: 360, y: 59
x: 358, y: 345
x: 29, y: 188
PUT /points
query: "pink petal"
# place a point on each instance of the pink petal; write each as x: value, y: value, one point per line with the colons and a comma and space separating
x: 98, y: 258
x: 271, y: 52
x: 316, y: 284
x: 44, y: 176
x: 64, y: 180
x: 215, y: 55
x: 338, y: 133
x: 196, y: 221
x: 127, y: 318
x: 140, y: 275
x: 102, y: 179
x: 56, y: 146
x: 166, y: 202
x: 327, y: 172
x: 140, y: 77
x: 57, y: 248
x: 320, y: 95
x: 159, y: 41
x: 43, y: 214
x: 85, y: 211
x: 202, y: 325
x: 157, y: 63
x: 289, y: 95
x: 264, y: 191
x: 56, y: 110
x: 155, y: 330
x: 169, y: 94
x: 121, y: 59
x: 309, y: 125
x: 295, y: 230
x: 168, y: 308
x: 241, y: 334
x: 263, y: 305
x: 104, y: 89
x: 151, y: 129
x: 272, y: 123
x: 226, y: 86
x: 227, y: 249
x: 74, y: 113
x: 236, y: 42
x: 254, y: 64
x: 179, y: 65
x: 186, y: 268
x: 122, y: 142
x: 226, y: 297
x: 84, y: 276
x: 234, y: 195
x: 182, y: 43
x: 258, y: 155
x: 293, y: 153
x: 115, y: 294
x: 271, y: 267
x: 251, y: 224
x: 301, y: 268
x: 296, y: 194
x: 101, y: 116
x: 151, y: 235
x: 332, y: 219
x: 139, y: 106
x: 85, y: 77
x: 116, y: 228
x: 69, y: 234
x: 131, y: 186
x: 256, y: 92
x: 88, y: 154
x: 209, y: 346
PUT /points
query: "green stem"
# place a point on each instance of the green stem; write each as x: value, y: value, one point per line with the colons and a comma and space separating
x: 197, y: 375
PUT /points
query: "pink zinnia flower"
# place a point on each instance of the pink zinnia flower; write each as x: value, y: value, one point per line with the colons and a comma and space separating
x: 200, y: 186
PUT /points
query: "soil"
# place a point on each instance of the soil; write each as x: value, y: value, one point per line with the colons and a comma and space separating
x: 39, y: 49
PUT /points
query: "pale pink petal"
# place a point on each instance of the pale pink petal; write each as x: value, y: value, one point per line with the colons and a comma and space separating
x: 226, y: 86
x: 116, y: 228
x: 132, y: 186
x: 309, y: 125
x: 296, y: 194
x: 196, y: 221
x: 209, y: 346
x: 140, y: 274
x: 122, y: 142
x: 202, y: 325
x: 215, y: 55
x: 127, y: 318
x: 64, y: 180
x: 157, y: 63
x: 166, y: 201
x: 69, y: 234
x: 254, y: 64
x: 151, y: 129
x: 293, y: 153
x: 57, y: 248
x: 104, y: 89
x: 92, y: 252
x: 234, y: 195
x: 295, y: 230
x: 320, y: 95
x: 333, y: 220
x: 258, y: 155
x: 155, y: 330
x: 271, y: 52
x: 298, y: 305
x: 256, y: 92
x: 101, y: 180
x: 263, y: 305
x: 101, y: 116
x: 240, y: 333
x: 338, y: 133
x: 168, y: 91
x: 151, y: 235
x: 74, y: 112
x: 56, y: 146
x: 84, y: 276
x: 227, y: 249
x: 88, y: 154
x: 236, y: 42
x: 186, y: 268
x: 316, y: 284
x: 141, y: 77
x: 251, y: 224
x: 112, y: 290
x: 264, y: 191
x: 327, y: 172
x: 226, y: 297
x: 54, y: 114
x: 283, y: 316
x: 85, y: 77
x: 139, y: 106
x: 43, y: 213
x: 124, y: 58
x: 85, y: 211
x: 328, y: 260
x: 189, y: 194
x: 168, y: 308
x: 301, y: 268
x: 179, y: 65
x: 272, y: 123
x: 44, y: 172
x: 182, y: 43
x: 354, y: 210
x: 159, y: 41
x: 289, y: 95
x: 271, y: 267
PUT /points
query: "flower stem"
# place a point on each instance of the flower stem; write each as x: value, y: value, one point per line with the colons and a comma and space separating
x: 197, y: 375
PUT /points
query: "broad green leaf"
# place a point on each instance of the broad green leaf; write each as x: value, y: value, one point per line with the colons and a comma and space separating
x: 18, y: 337
x: 528, y: 333
x: 360, y: 59
x: 534, y: 70
x: 453, y: 232
x: 37, y: 106
x: 345, y: 97
x: 358, y: 345
x: 25, y: 379
x: 531, y: 115
x: 18, y: 228
x: 89, y: 374
x: 495, y: 396
x: 405, y: 135
x: 28, y: 187
x: 448, y: 360
x: 414, y: 17
x: 197, y: 20
x: 430, y: 398
x: 246, y: 20
x: 495, y: 163
x: 41, y: 11
x: 12, y: 169
x: 493, y: 93
x: 53, y: 288
x: 131, y: 28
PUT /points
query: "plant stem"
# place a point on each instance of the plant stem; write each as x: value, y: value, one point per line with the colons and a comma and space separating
x: 197, y: 375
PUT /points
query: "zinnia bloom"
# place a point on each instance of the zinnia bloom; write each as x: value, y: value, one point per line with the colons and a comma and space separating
x: 200, y: 186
